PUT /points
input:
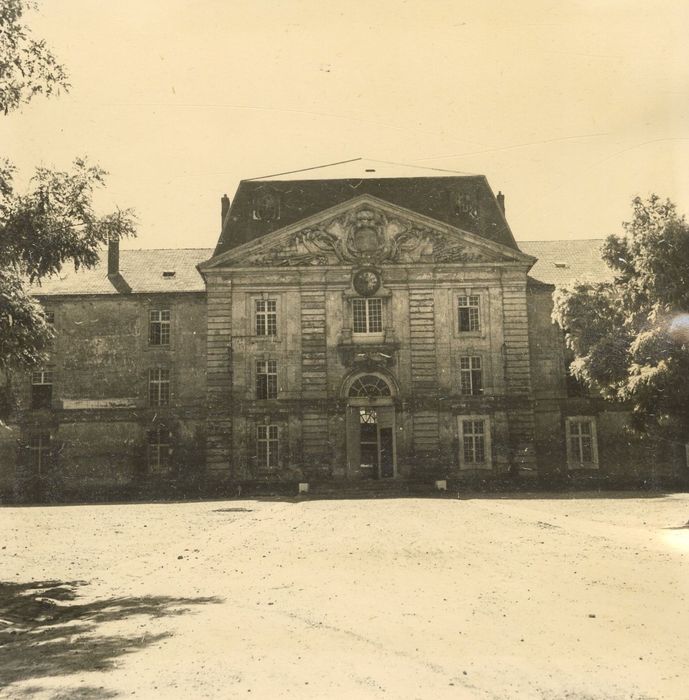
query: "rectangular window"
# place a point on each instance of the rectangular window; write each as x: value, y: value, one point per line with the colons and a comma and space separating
x: 267, y: 446
x: 266, y: 379
x: 159, y: 327
x: 470, y: 375
x: 159, y: 448
x: 469, y: 316
x: 367, y: 315
x: 39, y: 452
x: 50, y: 317
x: 41, y: 389
x: 582, y: 450
x: 266, y: 317
x: 159, y: 386
x: 474, y: 442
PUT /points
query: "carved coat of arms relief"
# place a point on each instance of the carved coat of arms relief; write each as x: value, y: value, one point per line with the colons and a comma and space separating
x: 365, y: 237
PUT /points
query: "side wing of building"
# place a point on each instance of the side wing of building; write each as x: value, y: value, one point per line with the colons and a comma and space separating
x: 119, y: 407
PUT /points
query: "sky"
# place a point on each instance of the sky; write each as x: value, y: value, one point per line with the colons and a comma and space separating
x: 570, y: 108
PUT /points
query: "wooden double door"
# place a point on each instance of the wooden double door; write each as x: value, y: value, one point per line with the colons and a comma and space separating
x: 371, y: 449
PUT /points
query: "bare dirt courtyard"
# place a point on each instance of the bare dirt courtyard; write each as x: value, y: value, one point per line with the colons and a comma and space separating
x: 501, y: 597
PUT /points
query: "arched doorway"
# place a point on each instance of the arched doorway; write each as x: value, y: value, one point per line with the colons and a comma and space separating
x: 371, y: 449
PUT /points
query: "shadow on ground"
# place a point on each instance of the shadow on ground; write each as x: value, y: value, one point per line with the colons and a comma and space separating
x: 45, y: 631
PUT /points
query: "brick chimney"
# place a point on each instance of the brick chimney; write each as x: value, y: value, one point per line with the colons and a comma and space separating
x: 224, y: 208
x: 113, y: 257
x: 501, y: 202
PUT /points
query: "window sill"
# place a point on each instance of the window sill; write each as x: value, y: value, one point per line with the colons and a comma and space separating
x: 469, y: 334
x: 368, y: 338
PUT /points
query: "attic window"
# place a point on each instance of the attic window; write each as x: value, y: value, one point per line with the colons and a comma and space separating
x: 168, y: 273
x: 562, y: 265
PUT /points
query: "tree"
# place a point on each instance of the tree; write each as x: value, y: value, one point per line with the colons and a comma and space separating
x: 52, y: 224
x: 630, y: 336
x: 27, y: 66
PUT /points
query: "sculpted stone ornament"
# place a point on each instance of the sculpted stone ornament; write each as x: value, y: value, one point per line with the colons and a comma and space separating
x: 366, y: 237
x: 366, y: 281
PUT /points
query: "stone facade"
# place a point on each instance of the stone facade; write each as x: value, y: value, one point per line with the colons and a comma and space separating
x: 342, y: 330
x: 87, y: 423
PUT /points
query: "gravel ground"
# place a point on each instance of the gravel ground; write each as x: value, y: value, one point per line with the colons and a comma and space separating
x: 437, y: 598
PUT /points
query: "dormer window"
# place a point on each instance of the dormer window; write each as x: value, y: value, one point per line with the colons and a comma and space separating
x: 266, y: 206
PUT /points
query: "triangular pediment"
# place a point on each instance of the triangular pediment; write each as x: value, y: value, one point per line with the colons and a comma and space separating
x: 367, y: 231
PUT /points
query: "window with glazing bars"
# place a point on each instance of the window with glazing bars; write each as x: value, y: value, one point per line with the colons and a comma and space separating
x: 159, y: 445
x: 469, y: 316
x: 159, y: 327
x: 41, y: 388
x: 159, y: 386
x: 474, y: 441
x: 267, y: 445
x: 470, y: 375
x: 39, y: 452
x: 266, y: 317
x: 368, y: 315
x: 266, y: 379
x: 581, y: 441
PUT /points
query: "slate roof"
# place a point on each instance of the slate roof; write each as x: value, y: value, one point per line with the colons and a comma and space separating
x: 141, y: 270
x: 559, y: 262
x: 562, y: 262
x: 434, y: 194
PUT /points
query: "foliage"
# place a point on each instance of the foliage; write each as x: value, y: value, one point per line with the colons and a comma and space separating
x: 40, y: 231
x: 54, y: 223
x: 630, y: 336
x: 27, y: 66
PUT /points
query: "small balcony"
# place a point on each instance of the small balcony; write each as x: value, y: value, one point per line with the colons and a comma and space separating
x: 368, y: 350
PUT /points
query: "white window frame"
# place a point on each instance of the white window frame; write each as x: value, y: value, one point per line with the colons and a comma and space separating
x: 469, y: 373
x: 157, y: 382
x: 468, y: 295
x: 366, y: 302
x: 42, y: 377
x: 40, y: 450
x: 268, y: 435
x: 487, y: 442
x: 269, y: 368
x: 265, y: 314
x: 575, y: 461
x: 160, y: 450
x: 162, y: 318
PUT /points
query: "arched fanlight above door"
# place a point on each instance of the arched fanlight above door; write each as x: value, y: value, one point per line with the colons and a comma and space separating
x: 369, y: 386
